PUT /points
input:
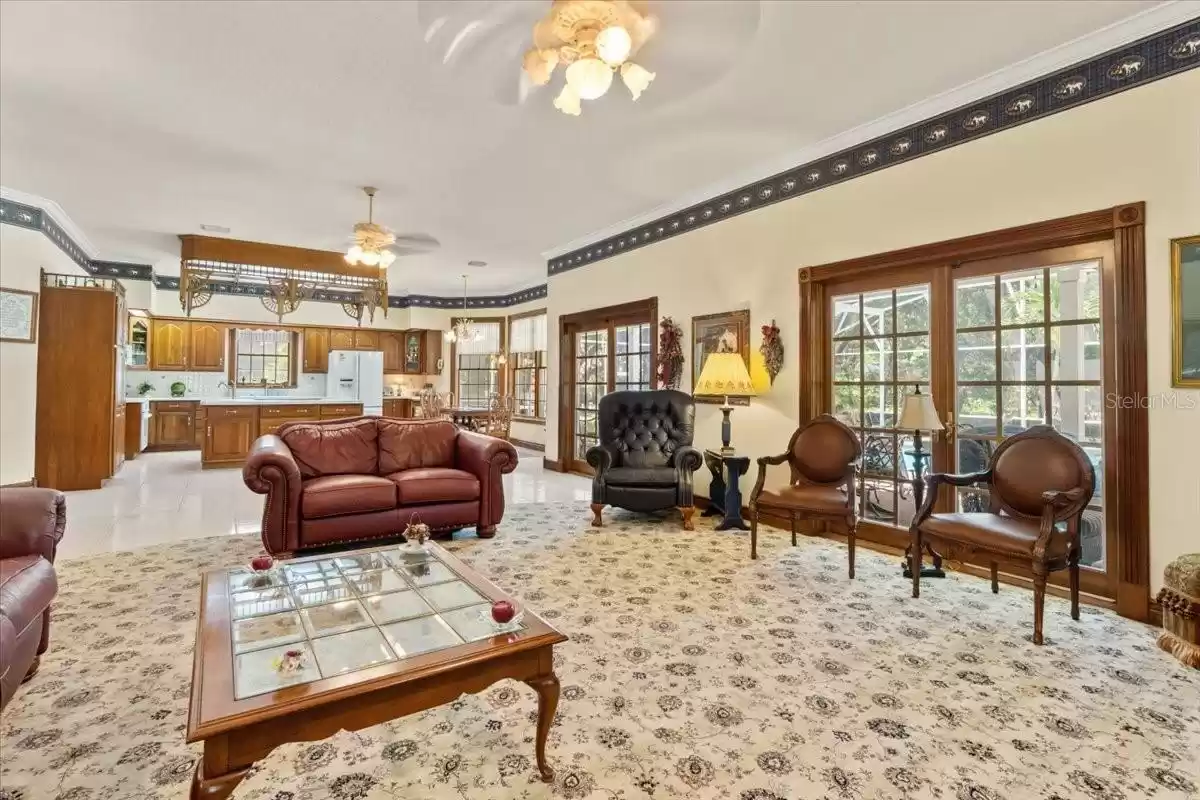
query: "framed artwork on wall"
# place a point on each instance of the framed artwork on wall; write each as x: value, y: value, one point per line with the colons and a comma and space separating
x: 1185, y: 312
x: 727, y: 332
x: 18, y: 315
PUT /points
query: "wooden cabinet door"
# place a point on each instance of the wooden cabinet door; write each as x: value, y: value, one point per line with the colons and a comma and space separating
x: 341, y: 339
x: 392, y: 345
x: 316, y: 349
x: 169, y: 344
x: 366, y: 340
x: 414, y: 352
x: 433, y: 352
x: 118, y: 438
x: 207, y: 347
x: 173, y: 428
x: 138, y: 347
x: 229, y: 439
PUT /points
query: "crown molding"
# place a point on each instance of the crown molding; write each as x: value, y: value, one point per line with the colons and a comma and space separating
x: 45, y: 218
x: 1165, y: 38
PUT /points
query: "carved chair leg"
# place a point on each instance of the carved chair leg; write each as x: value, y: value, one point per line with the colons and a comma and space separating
x: 753, y: 532
x: 1039, y: 601
x: 917, y: 549
x: 995, y: 578
x: 792, y: 516
x: 596, y: 509
x: 33, y: 668
x: 850, y: 532
x: 687, y: 512
x: 1073, y: 572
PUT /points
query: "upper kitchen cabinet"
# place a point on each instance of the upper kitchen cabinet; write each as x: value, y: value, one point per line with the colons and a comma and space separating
x: 392, y: 345
x: 433, y: 352
x: 341, y: 338
x: 207, y: 348
x: 366, y: 339
x: 137, y: 352
x: 414, y: 352
x: 169, y: 344
x: 316, y: 349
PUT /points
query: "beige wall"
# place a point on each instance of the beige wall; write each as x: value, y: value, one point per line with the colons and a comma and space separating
x: 1050, y: 168
x: 23, y: 254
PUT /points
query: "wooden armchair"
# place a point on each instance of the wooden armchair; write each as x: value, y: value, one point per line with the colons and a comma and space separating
x: 823, y: 457
x: 1036, y: 481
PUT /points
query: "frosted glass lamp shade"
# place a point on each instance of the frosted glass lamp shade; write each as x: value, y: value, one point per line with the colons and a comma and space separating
x: 636, y: 78
x: 590, y: 78
x: 613, y: 45
x: 568, y: 101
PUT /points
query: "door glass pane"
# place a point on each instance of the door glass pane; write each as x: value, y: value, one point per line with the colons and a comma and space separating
x: 912, y: 358
x: 846, y: 317
x: 1024, y: 407
x: 977, y: 408
x: 847, y: 402
x: 632, y: 351
x: 1075, y: 352
x: 975, y: 302
x: 877, y: 358
x: 976, y: 357
x: 1075, y: 291
x: 1023, y: 354
x: 912, y: 309
x: 847, y: 357
x: 877, y: 313
x: 591, y: 383
x: 1021, y: 298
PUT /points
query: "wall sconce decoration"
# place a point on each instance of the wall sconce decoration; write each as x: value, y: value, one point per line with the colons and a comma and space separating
x: 772, y: 350
x: 670, y: 354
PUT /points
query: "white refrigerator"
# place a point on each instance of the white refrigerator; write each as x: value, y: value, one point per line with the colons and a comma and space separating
x: 356, y: 376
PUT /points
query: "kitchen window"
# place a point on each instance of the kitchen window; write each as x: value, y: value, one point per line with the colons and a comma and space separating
x: 265, y: 359
x: 527, y: 358
x: 477, y: 365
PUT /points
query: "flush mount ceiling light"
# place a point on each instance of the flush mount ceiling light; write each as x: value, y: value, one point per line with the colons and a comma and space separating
x: 371, y: 241
x: 594, y: 39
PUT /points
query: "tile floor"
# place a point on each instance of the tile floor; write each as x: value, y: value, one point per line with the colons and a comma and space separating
x: 166, y: 497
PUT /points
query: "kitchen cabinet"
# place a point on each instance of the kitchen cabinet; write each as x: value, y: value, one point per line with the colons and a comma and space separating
x: 206, y: 346
x: 316, y: 350
x: 433, y: 352
x: 270, y: 418
x: 392, y: 345
x: 172, y: 424
x: 137, y: 354
x: 337, y: 410
x: 230, y: 432
x: 169, y: 344
x: 397, y: 407
x: 133, y: 430
x: 366, y: 339
x: 118, y: 438
x: 341, y: 338
x: 414, y: 352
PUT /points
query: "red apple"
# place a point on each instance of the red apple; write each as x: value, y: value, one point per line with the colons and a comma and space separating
x: 503, y: 611
x: 262, y: 563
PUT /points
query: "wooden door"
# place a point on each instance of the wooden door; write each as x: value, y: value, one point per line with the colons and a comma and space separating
x: 341, y: 339
x: 393, y: 360
x: 433, y: 352
x: 173, y: 428
x: 316, y: 350
x: 366, y: 340
x: 169, y: 344
x: 207, y: 347
x: 229, y: 439
x: 414, y: 352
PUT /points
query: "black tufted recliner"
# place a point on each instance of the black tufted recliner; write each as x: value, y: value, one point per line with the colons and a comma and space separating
x: 645, y: 458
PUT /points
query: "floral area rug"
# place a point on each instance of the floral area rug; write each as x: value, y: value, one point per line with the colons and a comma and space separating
x: 692, y: 672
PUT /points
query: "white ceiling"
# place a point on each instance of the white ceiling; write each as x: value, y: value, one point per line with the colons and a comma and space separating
x: 146, y: 120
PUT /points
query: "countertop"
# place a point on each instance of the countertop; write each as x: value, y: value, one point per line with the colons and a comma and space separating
x: 249, y: 401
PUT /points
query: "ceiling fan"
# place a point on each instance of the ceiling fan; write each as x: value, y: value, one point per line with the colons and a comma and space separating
x: 373, y: 245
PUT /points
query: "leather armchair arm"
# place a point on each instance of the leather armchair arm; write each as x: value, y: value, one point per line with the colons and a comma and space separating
x: 487, y: 458
x: 32, y: 521
x: 688, y: 459
x: 935, y: 480
x: 271, y: 469
x: 763, y: 463
x: 601, y: 457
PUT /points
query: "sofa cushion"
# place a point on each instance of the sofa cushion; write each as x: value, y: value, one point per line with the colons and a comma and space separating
x: 27, y: 587
x: 410, y: 444
x: 334, y: 495
x: 341, y: 448
x: 642, y: 476
x: 435, y: 485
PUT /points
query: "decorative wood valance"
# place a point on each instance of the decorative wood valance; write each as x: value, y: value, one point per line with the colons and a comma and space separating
x: 237, y: 251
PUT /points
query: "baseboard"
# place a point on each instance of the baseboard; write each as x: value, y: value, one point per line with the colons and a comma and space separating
x: 552, y: 465
x: 541, y: 448
x: 29, y: 482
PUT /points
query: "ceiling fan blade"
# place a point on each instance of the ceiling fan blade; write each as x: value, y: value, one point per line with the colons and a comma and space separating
x: 408, y: 244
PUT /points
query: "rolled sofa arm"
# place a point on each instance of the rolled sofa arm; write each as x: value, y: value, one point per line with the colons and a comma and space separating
x: 271, y: 469
x: 487, y: 458
x: 32, y: 521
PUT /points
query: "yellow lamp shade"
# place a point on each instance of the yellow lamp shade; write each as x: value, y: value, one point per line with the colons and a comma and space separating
x: 758, y: 373
x: 724, y: 375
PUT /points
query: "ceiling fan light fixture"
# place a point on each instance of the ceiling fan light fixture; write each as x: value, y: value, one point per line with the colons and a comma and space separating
x: 613, y: 45
x: 590, y: 78
x: 370, y: 240
x: 636, y: 78
x: 568, y: 101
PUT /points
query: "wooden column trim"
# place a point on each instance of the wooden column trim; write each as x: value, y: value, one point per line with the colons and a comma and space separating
x: 814, y: 358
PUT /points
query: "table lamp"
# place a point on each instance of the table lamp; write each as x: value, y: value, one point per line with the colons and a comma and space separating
x: 724, y: 375
x: 920, y: 414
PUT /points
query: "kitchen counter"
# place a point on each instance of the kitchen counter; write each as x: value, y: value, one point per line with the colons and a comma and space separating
x: 270, y: 401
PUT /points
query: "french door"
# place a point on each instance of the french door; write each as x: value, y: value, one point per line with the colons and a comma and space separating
x: 605, y: 350
x: 1001, y: 345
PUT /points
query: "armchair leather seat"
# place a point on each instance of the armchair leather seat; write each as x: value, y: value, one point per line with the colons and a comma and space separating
x: 642, y: 476
x: 994, y: 531
x: 435, y: 485
x: 334, y: 495
x: 807, y: 497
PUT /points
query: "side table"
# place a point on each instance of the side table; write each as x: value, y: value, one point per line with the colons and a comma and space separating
x: 725, y: 497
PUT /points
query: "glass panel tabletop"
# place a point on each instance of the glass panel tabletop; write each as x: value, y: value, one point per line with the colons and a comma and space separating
x: 315, y: 618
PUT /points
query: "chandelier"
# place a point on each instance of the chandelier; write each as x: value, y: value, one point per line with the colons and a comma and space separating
x: 464, y: 329
x: 371, y: 241
x: 594, y: 39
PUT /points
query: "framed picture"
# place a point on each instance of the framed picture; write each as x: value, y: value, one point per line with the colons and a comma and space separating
x: 18, y: 315
x: 727, y: 332
x: 1185, y: 312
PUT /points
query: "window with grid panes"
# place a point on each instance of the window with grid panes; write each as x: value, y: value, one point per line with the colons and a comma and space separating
x: 264, y: 358
x: 478, y: 367
x: 527, y: 357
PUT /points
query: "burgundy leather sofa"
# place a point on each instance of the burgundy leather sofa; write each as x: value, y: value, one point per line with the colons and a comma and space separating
x: 353, y: 480
x: 31, y: 526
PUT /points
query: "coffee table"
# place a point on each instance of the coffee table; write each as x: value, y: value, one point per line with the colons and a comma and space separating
x: 384, y: 632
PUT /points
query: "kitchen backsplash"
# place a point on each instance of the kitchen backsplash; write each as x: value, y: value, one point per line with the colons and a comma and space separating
x: 404, y: 385
x: 206, y: 384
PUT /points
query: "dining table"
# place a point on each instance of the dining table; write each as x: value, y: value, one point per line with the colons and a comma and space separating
x: 472, y: 418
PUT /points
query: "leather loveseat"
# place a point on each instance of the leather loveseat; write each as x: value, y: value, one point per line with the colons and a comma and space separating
x: 352, y: 480
x: 31, y: 526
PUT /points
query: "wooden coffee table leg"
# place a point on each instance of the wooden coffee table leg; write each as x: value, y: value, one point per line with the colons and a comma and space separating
x: 211, y: 783
x: 546, y: 687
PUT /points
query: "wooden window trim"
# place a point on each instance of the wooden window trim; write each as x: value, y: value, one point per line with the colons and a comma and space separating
x: 1125, y: 227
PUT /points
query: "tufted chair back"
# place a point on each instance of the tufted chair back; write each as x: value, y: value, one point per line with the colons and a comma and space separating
x: 646, y: 428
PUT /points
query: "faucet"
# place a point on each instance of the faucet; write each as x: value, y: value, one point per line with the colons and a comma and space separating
x: 231, y: 386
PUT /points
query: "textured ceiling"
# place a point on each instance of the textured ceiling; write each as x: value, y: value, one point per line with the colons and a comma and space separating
x: 146, y: 120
